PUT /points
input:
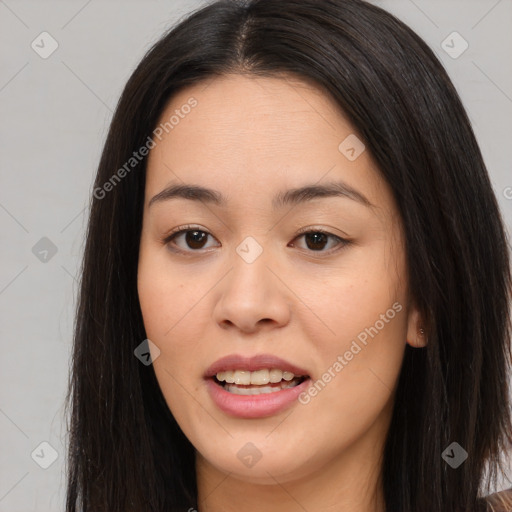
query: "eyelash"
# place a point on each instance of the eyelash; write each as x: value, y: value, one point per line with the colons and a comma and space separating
x: 184, y: 229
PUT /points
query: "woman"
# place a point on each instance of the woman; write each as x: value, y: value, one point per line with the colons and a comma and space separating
x: 296, y: 282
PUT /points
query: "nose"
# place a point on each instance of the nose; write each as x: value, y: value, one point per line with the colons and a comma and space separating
x: 252, y: 297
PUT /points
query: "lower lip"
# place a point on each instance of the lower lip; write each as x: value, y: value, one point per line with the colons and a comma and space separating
x: 254, y: 406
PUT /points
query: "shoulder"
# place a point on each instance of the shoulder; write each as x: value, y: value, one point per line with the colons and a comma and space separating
x: 500, y: 501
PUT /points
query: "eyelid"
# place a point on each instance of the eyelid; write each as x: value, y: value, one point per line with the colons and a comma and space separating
x: 318, y: 229
x: 167, y: 238
x: 343, y: 242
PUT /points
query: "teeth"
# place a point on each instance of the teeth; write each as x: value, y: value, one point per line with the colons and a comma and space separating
x: 259, y: 377
x: 276, y: 375
x: 237, y: 390
x: 242, y: 377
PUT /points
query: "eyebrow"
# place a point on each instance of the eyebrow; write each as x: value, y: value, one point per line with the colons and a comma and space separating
x: 289, y: 197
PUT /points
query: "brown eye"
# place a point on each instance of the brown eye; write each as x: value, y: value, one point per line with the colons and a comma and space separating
x: 317, y: 241
x: 195, y: 239
x: 188, y: 240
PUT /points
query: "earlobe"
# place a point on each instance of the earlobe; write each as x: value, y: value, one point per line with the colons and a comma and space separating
x: 419, y: 340
x: 416, y: 336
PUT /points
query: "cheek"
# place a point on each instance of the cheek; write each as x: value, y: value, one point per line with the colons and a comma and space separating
x: 166, y: 311
x: 360, y: 365
x: 361, y: 344
x: 171, y: 321
x: 175, y: 320
x: 168, y: 300
x: 360, y: 339
x: 354, y: 300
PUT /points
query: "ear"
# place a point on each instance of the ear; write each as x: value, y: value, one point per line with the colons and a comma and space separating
x: 416, y: 336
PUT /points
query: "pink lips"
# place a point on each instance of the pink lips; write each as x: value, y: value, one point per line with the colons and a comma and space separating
x: 253, y: 406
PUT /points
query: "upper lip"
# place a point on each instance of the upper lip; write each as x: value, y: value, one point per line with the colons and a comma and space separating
x: 253, y: 363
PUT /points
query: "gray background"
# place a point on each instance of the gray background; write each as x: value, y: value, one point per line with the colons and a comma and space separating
x: 55, y: 114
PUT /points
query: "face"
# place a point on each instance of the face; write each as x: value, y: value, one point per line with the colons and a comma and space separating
x: 280, y: 316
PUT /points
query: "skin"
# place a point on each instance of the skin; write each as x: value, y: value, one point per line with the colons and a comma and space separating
x: 249, y: 138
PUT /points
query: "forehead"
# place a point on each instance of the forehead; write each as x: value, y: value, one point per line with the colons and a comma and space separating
x: 250, y: 136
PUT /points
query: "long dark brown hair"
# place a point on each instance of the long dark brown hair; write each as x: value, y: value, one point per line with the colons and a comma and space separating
x: 126, y: 452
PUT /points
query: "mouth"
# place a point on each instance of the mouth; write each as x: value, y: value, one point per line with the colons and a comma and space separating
x: 257, y: 386
x: 259, y: 382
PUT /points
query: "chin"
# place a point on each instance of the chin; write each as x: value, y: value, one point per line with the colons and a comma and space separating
x: 262, y: 467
